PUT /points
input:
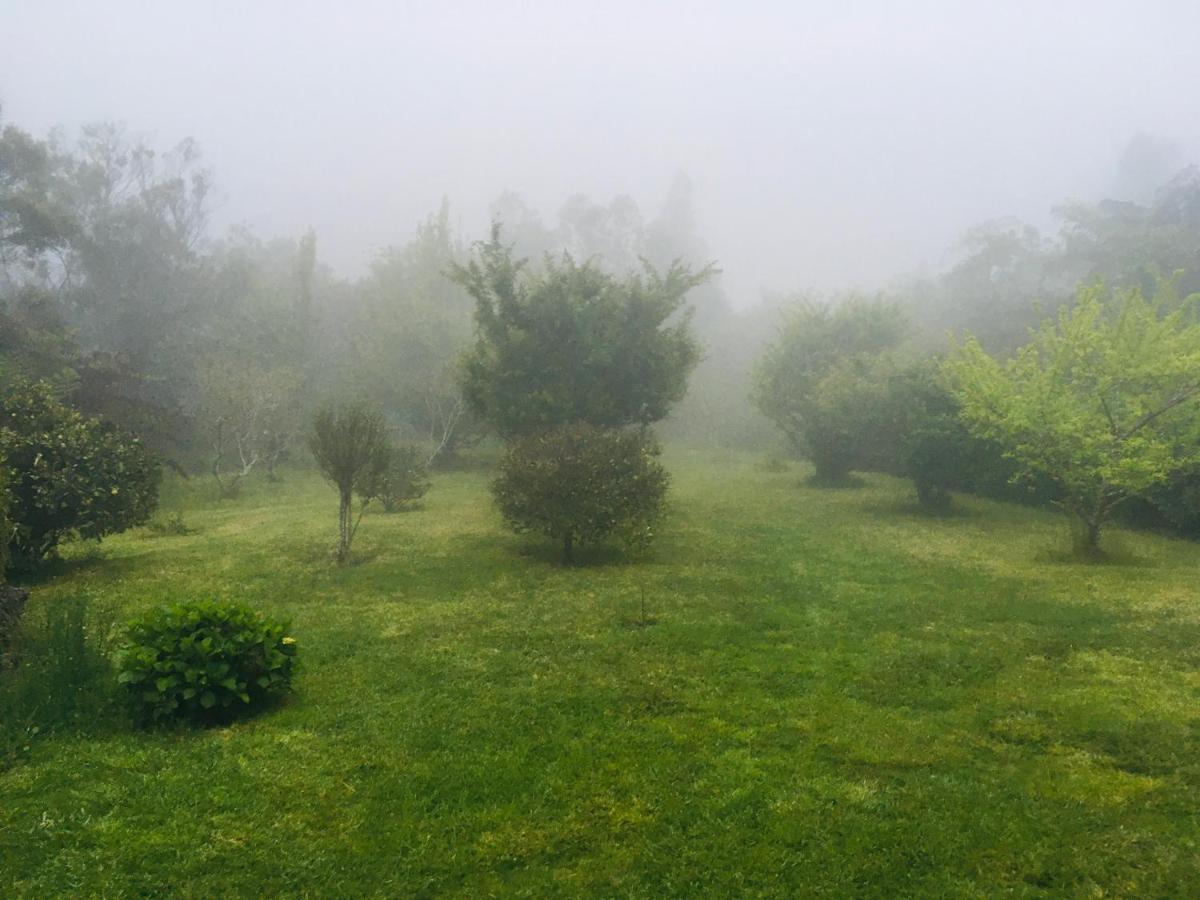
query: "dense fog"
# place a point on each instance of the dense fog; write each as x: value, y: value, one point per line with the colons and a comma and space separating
x: 829, y: 145
x: 216, y: 220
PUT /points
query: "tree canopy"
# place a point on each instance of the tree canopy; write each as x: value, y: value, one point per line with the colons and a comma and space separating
x: 821, y: 380
x: 1102, y: 400
x: 573, y: 343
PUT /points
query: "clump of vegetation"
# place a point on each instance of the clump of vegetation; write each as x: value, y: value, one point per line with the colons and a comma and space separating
x: 72, y: 476
x: 12, y: 605
x: 204, y: 662
x: 172, y: 525
x: 823, y: 383
x: 931, y: 444
x: 59, y: 675
x: 402, y: 479
x: 351, y: 448
x: 1102, y: 400
x: 581, y: 484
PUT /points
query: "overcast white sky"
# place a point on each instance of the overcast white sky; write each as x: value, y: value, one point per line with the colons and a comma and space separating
x: 830, y: 143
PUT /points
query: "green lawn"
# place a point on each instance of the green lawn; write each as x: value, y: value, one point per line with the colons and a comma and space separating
x: 839, y: 696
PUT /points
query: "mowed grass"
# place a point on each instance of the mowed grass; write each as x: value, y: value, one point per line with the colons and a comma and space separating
x: 838, y: 696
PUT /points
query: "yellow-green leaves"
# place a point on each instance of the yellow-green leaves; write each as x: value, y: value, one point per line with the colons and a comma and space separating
x: 1102, y: 399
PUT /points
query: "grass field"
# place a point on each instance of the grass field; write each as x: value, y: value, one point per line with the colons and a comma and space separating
x: 837, y: 696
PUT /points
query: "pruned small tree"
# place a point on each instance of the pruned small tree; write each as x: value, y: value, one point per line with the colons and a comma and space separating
x: 581, y: 484
x: 350, y: 446
x: 1103, y: 400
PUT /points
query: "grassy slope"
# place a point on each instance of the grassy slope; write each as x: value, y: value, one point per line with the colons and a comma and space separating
x: 839, y: 696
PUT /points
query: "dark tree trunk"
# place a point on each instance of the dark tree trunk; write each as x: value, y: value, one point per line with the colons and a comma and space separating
x: 568, y: 547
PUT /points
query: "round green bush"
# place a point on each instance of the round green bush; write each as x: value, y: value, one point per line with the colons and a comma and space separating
x: 69, y: 475
x: 581, y: 484
x: 204, y: 662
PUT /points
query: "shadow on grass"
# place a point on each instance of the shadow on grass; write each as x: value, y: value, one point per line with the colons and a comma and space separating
x: 58, y: 567
x: 585, y: 556
x: 910, y: 508
x: 1114, y: 553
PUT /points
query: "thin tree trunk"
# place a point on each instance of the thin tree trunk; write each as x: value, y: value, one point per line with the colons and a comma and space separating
x: 344, y: 532
x: 1092, y: 521
x: 568, y: 547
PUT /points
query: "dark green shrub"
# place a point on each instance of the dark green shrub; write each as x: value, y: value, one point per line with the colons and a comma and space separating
x: 579, y: 484
x: 71, y: 476
x: 401, y: 481
x: 204, y: 662
x: 59, y: 674
x: 931, y: 445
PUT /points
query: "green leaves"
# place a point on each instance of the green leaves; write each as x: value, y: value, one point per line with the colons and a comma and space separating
x: 574, y: 343
x: 205, y: 660
x: 823, y: 381
x: 580, y: 483
x: 71, y: 476
x: 1102, y: 399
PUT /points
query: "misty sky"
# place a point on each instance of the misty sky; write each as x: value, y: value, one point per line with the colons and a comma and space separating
x: 830, y: 144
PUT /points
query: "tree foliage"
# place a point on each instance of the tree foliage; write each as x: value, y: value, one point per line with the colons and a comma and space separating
x: 407, y: 329
x: 823, y: 381
x: 351, y: 449
x: 572, y: 343
x: 580, y: 484
x: 1102, y: 400
x: 204, y: 662
x: 70, y: 475
x: 398, y: 480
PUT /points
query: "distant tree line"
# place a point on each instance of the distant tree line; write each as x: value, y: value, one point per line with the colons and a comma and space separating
x: 1072, y: 378
x: 213, y: 353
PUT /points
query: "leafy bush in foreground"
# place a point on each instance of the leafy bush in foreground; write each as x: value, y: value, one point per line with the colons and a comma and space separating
x: 205, y: 661
x: 579, y: 483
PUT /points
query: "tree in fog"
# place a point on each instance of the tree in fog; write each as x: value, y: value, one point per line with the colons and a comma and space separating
x: 251, y: 415
x: 409, y: 326
x: 350, y: 446
x: 823, y: 381
x: 573, y: 343
x: 1103, y: 399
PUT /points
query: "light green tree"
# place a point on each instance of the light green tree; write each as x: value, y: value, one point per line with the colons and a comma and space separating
x: 1103, y: 399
